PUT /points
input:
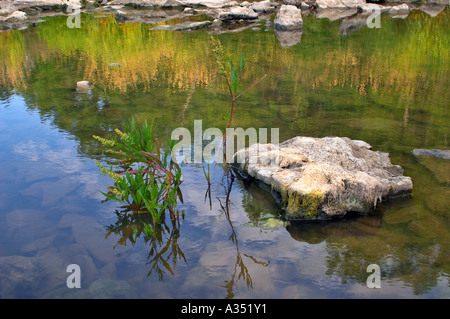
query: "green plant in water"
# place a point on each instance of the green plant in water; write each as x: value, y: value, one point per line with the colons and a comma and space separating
x: 149, y: 181
x: 231, y: 75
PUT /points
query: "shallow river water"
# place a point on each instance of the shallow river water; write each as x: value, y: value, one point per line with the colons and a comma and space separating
x: 386, y: 86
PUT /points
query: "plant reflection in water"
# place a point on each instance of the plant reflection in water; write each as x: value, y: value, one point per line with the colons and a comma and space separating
x: 165, y: 251
x: 240, y: 270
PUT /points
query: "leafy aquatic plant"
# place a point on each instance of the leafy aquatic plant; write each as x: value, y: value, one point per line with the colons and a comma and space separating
x: 148, y: 180
x: 231, y: 75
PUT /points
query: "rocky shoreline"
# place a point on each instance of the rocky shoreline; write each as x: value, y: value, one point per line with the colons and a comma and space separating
x: 219, y: 15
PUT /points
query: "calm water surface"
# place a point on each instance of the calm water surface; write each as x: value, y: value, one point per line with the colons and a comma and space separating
x: 387, y: 86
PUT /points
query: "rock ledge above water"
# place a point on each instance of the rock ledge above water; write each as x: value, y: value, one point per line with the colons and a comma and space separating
x: 320, y: 178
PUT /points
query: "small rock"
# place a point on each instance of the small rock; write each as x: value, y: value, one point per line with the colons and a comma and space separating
x: 432, y: 9
x: 432, y: 152
x: 216, y: 23
x: 288, y: 18
x: 236, y: 13
x: 324, y: 177
x: 188, y: 10
x: 17, y: 15
x: 263, y: 6
x: 372, y: 7
x: 84, y: 86
x: 296, y: 3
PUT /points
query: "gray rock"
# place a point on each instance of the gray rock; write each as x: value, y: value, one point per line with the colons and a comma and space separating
x: 263, y: 6
x: 324, y: 177
x: 288, y: 18
x: 216, y: 23
x: 212, y: 4
x: 145, y: 3
x: 432, y: 152
x: 236, y: 13
x: 19, y: 274
x: 84, y: 86
x: 188, y: 10
x: 401, y: 8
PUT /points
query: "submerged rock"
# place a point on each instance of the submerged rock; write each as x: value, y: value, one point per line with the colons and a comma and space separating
x: 318, y: 178
x: 288, y: 18
x: 185, y: 26
x: 263, y: 6
x: 432, y: 152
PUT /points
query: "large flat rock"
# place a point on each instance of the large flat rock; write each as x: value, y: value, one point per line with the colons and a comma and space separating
x: 319, y: 178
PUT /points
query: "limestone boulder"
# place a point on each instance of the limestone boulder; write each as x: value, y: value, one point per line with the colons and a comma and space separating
x: 319, y: 178
x: 288, y: 18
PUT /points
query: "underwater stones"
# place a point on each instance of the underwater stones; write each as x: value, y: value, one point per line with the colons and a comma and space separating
x: 288, y: 18
x: 432, y: 152
x: 185, y: 26
x: 319, y: 178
